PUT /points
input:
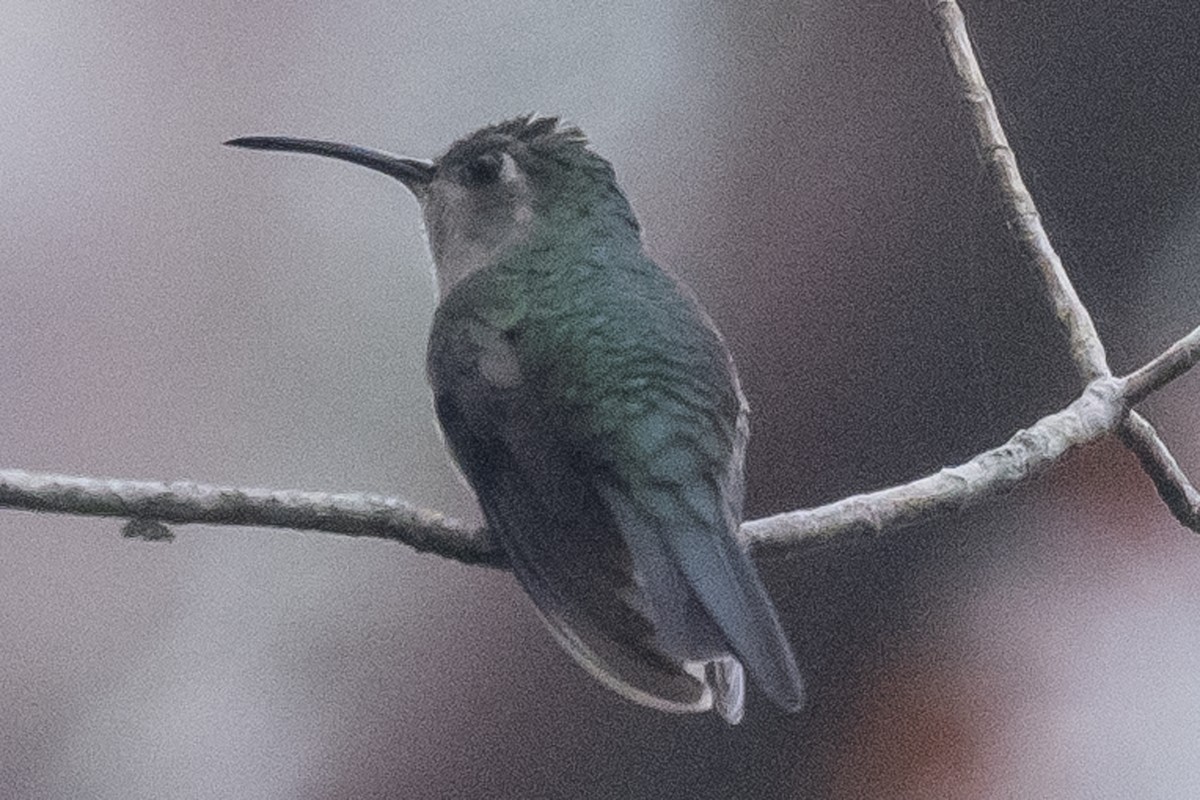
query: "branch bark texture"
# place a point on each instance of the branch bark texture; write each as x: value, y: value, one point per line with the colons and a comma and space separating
x: 1087, y: 350
x: 1103, y: 408
x: 1096, y: 413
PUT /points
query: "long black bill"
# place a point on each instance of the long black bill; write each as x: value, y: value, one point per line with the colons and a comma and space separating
x: 412, y: 172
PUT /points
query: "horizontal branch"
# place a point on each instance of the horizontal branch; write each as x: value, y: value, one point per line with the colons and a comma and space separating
x: 183, y: 502
x: 1096, y: 413
x: 1102, y: 408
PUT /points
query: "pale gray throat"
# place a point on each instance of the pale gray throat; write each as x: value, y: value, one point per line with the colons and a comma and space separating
x: 457, y: 257
x: 466, y: 236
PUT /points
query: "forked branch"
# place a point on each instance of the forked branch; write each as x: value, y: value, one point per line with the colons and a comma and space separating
x: 1025, y: 222
x: 1103, y: 408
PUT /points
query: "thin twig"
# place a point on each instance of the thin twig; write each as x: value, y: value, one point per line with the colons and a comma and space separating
x: 1025, y: 222
x: 1170, y: 481
x: 1173, y: 362
x: 1173, y: 487
x: 1022, y: 215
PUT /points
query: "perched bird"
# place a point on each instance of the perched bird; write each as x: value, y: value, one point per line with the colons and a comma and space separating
x: 594, y: 409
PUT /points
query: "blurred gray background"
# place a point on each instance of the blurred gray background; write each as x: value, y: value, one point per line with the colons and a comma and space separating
x: 173, y: 309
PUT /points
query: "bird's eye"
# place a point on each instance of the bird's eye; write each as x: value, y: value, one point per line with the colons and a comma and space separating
x: 483, y: 169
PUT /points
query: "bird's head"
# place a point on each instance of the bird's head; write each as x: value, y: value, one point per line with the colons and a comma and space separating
x: 494, y: 189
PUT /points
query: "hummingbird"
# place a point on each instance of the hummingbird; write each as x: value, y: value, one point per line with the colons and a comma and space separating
x: 595, y: 411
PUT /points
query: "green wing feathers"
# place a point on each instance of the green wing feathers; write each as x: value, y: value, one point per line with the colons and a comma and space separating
x: 597, y: 415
